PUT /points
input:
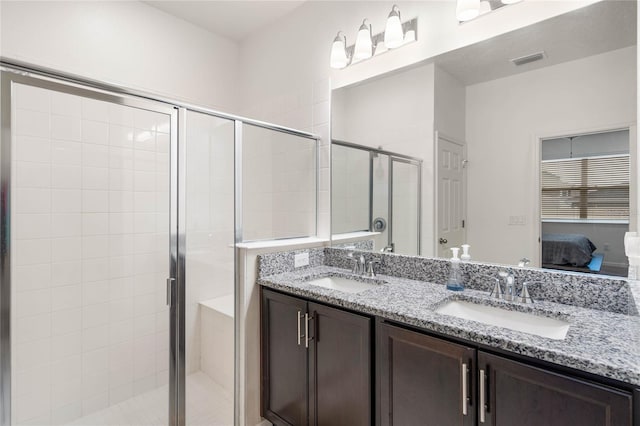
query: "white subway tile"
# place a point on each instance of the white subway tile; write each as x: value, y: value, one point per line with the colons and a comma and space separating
x: 66, y: 273
x: 27, y: 226
x: 144, y: 243
x: 120, y: 288
x: 32, y: 277
x: 67, y: 413
x: 162, y: 365
x: 95, y: 338
x: 66, y: 345
x: 95, y: 269
x: 95, y: 315
x: 121, y: 114
x: 66, y: 201
x: 66, y: 249
x: 31, y: 354
x: 144, y: 140
x: 93, y: 109
x: 66, y: 128
x: 32, y: 123
x: 144, y: 385
x: 67, y: 392
x: 95, y: 201
x: 32, y: 149
x: 95, y: 178
x: 96, y: 382
x: 95, y: 224
x: 95, y: 403
x: 120, y: 158
x: 31, y: 406
x: 120, y: 136
x: 32, y: 175
x: 95, y: 292
x: 120, y: 266
x: 31, y: 252
x: 66, y: 369
x: 121, y: 310
x: 144, y: 305
x: 144, y: 223
x: 144, y: 325
x: 141, y: 365
x: 66, y: 153
x: 121, y: 223
x: 163, y: 142
x: 121, y: 180
x: 120, y: 331
x: 95, y: 246
x: 148, y: 120
x: 66, y: 297
x: 35, y: 327
x: 144, y: 202
x: 30, y: 380
x: 144, y: 160
x: 144, y: 181
x: 66, y: 177
x: 32, y: 98
x: 95, y: 361
x: 95, y: 132
x: 66, y: 225
x: 121, y: 245
x: 122, y: 392
x: 66, y: 321
x: 120, y: 201
x: 29, y: 200
x: 65, y: 104
x: 95, y: 155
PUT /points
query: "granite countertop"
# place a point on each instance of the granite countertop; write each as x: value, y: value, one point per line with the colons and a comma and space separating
x: 598, y: 342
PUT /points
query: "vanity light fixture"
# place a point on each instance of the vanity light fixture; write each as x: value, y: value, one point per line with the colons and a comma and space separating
x: 393, y: 33
x: 340, y: 55
x: 467, y: 10
x: 367, y: 45
x: 364, y: 42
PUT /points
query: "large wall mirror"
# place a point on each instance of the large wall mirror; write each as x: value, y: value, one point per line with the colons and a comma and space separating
x: 527, y: 143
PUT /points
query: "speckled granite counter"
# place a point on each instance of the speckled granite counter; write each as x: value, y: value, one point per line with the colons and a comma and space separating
x: 598, y: 342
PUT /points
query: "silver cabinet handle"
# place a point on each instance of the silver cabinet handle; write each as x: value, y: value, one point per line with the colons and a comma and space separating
x: 465, y: 397
x: 306, y: 330
x: 298, y: 321
x: 482, y: 404
x: 170, y: 291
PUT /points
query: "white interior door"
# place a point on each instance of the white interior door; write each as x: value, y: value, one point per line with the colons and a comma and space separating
x: 451, y: 195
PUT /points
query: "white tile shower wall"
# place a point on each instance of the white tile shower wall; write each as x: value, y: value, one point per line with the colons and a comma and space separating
x: 90, y: 254
x: 209, y: 221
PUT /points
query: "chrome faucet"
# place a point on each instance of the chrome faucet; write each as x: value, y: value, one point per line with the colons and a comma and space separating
x: 523, y: 262
x: 510, y: 293
x: 358, y: 264
x: 388, y: 249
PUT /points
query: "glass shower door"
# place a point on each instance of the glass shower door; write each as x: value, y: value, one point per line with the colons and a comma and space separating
x: 405, y: 206
x: 88, y: 203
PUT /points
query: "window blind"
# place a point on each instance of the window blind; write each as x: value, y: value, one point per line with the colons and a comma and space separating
x: 586, y: 188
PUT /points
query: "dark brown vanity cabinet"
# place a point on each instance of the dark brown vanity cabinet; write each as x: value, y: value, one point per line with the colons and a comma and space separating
x: 316, y: 363
x: 512, y: 393
x: 424, y: 380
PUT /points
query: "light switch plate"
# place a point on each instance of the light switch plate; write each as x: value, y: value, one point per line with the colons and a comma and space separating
x: 301, y: 259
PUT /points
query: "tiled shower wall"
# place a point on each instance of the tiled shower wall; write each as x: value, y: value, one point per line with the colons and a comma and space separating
x: 90, y: 243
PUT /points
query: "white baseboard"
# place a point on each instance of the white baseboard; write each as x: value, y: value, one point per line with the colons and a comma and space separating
x: 264, y: 423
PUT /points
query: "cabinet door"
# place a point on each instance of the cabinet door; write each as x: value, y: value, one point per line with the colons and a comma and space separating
x: 518, y: 394
x: 339, y: 368
x: 424, y: 380
x: 284, y: 359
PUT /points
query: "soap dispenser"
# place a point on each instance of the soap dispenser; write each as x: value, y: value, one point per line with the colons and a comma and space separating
x: 455, y: 275
x: 465, y: 252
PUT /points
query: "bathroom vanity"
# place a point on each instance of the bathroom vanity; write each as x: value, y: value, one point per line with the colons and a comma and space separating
x: 386, y: 354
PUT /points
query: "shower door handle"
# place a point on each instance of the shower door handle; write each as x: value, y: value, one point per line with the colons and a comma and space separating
x: 170, y: 282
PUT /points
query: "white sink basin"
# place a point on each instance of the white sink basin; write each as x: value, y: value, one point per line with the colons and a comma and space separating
x: 519, y: 321
x: 343, y: 284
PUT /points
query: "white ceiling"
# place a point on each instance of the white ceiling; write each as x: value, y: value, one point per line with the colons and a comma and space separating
x: 234, y: 19
x: 592, y: 30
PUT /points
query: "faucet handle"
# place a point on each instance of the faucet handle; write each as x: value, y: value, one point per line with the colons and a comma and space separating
x: 370, y: 271
x: 524, y: 296
x: 497, y: 292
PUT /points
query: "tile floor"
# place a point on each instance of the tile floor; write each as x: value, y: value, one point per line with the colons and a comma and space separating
x: 208, y: 404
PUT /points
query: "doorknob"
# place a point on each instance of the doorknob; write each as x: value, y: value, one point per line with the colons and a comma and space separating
x: 443, y: 241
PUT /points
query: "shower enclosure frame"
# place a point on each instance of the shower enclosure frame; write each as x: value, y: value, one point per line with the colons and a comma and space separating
x: 397, y: 158
x: 19, y: 72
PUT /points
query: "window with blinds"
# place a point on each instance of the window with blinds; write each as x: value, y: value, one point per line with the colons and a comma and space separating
x: 586, y: 188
